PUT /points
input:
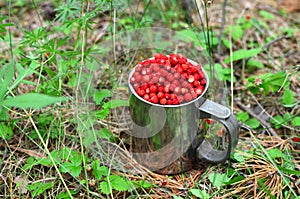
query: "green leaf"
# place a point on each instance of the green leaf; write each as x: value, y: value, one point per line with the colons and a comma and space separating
x: 32, y: 100
x: 266, y: 15
x: 296, y: 121
x: 100, y: 95
x: 30, y: 162
x: 288, y: 97
x: 242, y: 116
x: 253, y: 123
x: 238, y: 157
x: 217, y: 179
x: 99, y: 171
x: 65, y: 195
x: 275, y: 153
x: 237, y: 32
x: 8, y: 73
x: 242, y: 54
x: 5, y: 131
x: 101, y: 114
x: 200, y: 193
x: 72, y: 168
x: 187, y: 35
x: 115, y: 103
x: 177, y: 197
x: 289, y: 171
x: 234, y: 180
x: 277, y: 120
x: 104, y: 187
x: 252, y: 64
x: 226, y: 43
x: 39, y: 187
x: 118, y: 183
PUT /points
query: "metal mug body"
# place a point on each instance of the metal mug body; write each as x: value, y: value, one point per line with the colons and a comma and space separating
x: 169, y: 139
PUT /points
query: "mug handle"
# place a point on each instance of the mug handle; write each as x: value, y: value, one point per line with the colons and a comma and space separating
x: 222, y: 114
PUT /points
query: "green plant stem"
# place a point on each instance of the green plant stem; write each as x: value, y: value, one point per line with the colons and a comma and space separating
x: 49, y: 154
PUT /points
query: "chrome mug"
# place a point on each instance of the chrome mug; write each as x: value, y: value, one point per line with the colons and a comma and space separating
x: 170, y: 139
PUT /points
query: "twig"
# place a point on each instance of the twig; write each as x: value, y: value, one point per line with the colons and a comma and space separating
x: 265, y: 124
x: 222, y: 28
x: 274, y: 41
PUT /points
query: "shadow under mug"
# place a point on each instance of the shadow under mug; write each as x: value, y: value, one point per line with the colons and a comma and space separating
x: 170, y: 139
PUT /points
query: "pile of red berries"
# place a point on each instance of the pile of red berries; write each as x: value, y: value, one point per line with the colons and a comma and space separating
x: 168, y: 80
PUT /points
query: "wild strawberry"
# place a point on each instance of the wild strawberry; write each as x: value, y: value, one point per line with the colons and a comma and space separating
x: 132, y: 80
x: 175, y: 101
x: 153, y: 89
x: 169, y: 102
x: 160, y: 95
x: 209, y: 121
x: 188, y: 97
x: 163, y: 101
x: 158, y: 56
x: 177, y: 90
x: 191, y: 79
x: 154, y: 99
x: 146, y: 78
x: 146, y: 97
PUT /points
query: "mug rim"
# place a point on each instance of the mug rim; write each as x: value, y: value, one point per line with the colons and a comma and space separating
x: 170, y: 106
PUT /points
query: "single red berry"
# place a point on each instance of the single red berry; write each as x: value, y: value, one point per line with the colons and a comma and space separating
x: 209, y: 121
x: 170, y: 77
x: 136, y: 85
x: 175, y: 101
x: 132, y: 80
x: 198, y: 91
x: 180, y: 98
x: 188, y: 97
x: 177, y: 90
x: 146, y: 78
x: 169, y: 102
x: 172, y: 87
x: 144, y: 86
x: 181, y: 61
x: 184, y: 67
x: 143, y: 71
x: 295, y: 139
x: 168, y: 66
x: 158, y: 56
x: 146, y: 97
x: 152, y: 94
x: 163, y: 101
x: 179, y: 69
x: 172, y: 96
x: 184, y: 90
x: 196, y: 83
x: 191, y: 79
x: 156, y: 67
x: 177, y: 75
x: 167, y: 89
x: 160, y: 89
x: 147, y: 90
x: 161, y: 79
x: 248, y: 17
x: 141, y: 92
x: 153, y: 89
x: 160, y: 95
x: 203, y: 81
x: 154, y: 99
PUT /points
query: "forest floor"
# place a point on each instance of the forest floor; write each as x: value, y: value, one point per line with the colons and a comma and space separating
x: 64, y: 119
